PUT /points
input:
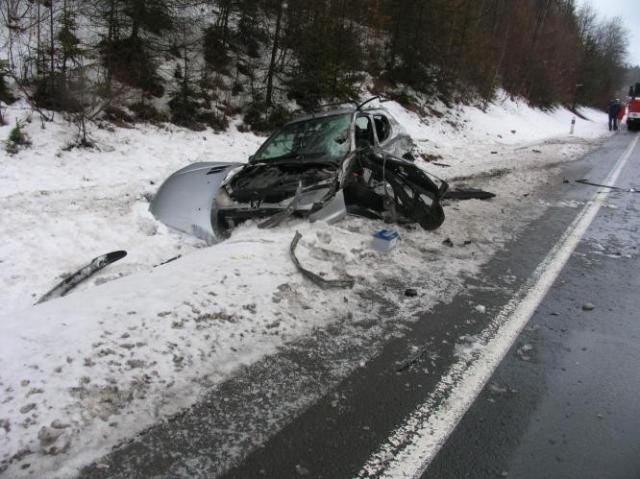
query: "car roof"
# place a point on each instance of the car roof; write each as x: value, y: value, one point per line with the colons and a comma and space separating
x: 338, y: 111
x: 322, y: 114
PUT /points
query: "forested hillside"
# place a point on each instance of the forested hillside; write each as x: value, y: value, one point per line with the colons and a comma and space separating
x: 197, y: 63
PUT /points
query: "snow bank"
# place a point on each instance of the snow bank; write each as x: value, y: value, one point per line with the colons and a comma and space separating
x: 471, y: 140
x: 507, y: 121
x: 62, y: 208
x: 81, y: 373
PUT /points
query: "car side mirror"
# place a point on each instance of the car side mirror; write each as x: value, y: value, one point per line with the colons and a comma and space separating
x: 251, y: 158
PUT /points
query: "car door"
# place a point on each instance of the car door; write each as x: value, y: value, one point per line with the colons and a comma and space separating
x: 383, y: 129
x: 364, y: 132
x: 391, y: 139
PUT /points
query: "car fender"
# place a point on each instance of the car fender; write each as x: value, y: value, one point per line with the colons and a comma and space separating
x: 185, y: 200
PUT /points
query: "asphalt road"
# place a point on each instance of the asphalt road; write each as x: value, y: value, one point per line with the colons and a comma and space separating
x: 565, y: 402
x: 561, y: 404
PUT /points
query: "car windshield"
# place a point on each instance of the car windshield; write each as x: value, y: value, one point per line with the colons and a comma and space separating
x: 319, y: 137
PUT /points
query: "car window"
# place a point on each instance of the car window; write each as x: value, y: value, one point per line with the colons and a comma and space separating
x: 364, y: 132
x: 383, y: 127
x: 327, y: 136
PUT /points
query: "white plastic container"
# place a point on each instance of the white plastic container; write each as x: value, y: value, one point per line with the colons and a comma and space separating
x: 385, y: 240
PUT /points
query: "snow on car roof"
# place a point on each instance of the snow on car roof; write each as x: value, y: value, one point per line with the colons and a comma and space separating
x: 338, y: 111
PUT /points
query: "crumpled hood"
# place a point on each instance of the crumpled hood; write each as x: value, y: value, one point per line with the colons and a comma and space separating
x: 277, y: 181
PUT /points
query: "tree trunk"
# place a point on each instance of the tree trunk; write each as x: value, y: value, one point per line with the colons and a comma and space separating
x: 274, y: 54
x: 540, y: 19
x: 65, y: 13
x: 39, y: 56
x: 393, y: 48
x: 52, y: 46
x: 185, y: 72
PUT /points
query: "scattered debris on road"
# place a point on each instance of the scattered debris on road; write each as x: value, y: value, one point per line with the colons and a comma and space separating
x: 411, y: 292
x: 415, y: 359
x: 614, y: 188
x: 524, y: 352
x: 588, y: 307
x: 468, y: 194
x: 84, y: 273
x: 385, y: 240
x: 170, y: 260
x: 317, y: 279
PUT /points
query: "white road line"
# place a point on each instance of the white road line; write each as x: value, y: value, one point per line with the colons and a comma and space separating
x: 412, y: 446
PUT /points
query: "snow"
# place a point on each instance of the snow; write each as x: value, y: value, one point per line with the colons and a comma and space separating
x: 63, y: 208
x: 139, y: 343
x: 481, y: 140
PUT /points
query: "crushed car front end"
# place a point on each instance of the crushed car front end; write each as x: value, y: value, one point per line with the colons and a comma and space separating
x: 277, y: 190
x: 312, y: 168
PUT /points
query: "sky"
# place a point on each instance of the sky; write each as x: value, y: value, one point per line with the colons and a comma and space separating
x: 629, y: 11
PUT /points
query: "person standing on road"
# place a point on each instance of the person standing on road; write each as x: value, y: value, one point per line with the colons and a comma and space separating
x: 621, y: 113
x: 614, y: 110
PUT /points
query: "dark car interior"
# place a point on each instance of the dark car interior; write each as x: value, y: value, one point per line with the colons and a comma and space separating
x: 364, y: 133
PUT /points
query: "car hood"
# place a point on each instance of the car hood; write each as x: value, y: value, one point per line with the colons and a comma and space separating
x: 275, y: 181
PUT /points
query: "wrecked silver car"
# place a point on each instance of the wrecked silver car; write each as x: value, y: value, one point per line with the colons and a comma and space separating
x: 350, y: 160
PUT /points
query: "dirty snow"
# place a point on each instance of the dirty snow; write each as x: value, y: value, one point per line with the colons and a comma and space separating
x: 137, y: 343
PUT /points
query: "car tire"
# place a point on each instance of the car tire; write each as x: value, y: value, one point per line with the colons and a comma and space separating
x: 432, y: 218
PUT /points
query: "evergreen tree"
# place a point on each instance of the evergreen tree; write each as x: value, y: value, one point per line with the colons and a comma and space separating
x: 326, y: 70
x: 251, y: 55
x: 55, y: 90
x: 130, y: 58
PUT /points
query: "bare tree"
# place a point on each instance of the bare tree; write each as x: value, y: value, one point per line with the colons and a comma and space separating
x: 281, y: 6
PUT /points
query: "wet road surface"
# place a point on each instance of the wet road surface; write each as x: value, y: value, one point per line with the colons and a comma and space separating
x: 539, y: 404
x: 565, y: 403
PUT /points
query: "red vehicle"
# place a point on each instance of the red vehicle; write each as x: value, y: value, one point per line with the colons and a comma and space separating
x: 633, y: 108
